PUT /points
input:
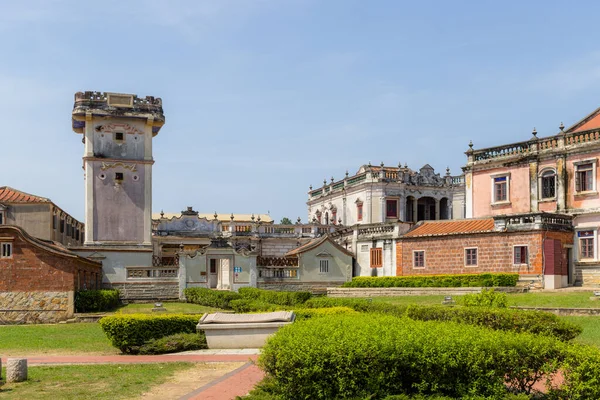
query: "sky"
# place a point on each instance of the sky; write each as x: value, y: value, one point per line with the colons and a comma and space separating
x: 263, y: 98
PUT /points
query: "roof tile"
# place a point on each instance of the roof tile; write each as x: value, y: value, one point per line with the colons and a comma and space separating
x: 455, y: 227
x: 10, y: 195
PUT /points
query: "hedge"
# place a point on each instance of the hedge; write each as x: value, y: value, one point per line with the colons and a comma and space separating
x: 361, y: 305
x: 487, y: 298
x: 458, y: 280
x: 581, y: 373
x: 210, y: 298
x: 249, y: 305
x: 303, y: 314
x: 373, y: 356
x: 275, y: 297
x: 96, y: 300
x: 174, y: 343
x: 128, y: 332
x: 537, y: 322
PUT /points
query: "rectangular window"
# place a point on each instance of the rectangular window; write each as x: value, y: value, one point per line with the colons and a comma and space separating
x: 586, y: 244
x: 118, y: 176
x: 500, y: 189
x: 119, y: 136
x: 364, y: 248
x: 391, y: 208
x: 359, y: 211
x: 471, y: 257
x: 324, y: 266
x: 54, y: 221
x: 1, y: 217
x: 5, y: 250
x: 520, y: 255
x: 419, y: 259
x: 376, y: 257
x: 213, y: 266
x: 549, y: 185
x: 62, y: 226
x: 584, y: 177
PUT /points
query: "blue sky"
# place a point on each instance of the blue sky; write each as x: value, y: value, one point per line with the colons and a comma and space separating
x: 263, y: 98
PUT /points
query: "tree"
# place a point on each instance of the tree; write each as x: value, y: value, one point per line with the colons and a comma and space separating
x: 285, y: 221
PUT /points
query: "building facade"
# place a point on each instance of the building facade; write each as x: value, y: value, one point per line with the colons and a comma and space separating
x: 556, y: 174
x: 39, y: 216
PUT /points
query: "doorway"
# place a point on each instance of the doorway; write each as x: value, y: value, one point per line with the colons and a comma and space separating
x: 570, y: 274
x: 213, y: 276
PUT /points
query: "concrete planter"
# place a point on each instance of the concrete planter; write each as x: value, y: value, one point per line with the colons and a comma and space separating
x: 242, y: 331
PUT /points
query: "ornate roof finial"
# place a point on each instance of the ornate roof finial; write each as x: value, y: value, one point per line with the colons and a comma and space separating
x: 405, y: 165
x: 534, y: 132
x: 252, y: 217
x: 399, y: 164
x: 347, y: 173
x: 382, y: 164
x: 369, y: 164
x: 299, y: 220
x: 339, y: 221
x: 258, y: 219
x: 310, y: 187
x: 162, y: 214
x: 561, y: 127
x: 324, y: 182
x: 332, y: 179
x: 231, y: 217
x: 216, y: 215
x: 470, y: 145
x: 448, y: 171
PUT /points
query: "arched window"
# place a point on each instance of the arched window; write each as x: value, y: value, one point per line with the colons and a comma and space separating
x: 548, y: 184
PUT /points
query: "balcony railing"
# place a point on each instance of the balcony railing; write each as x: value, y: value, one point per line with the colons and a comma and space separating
x: 277, y: 261
x: 152, y: 273
x: 277, y: 273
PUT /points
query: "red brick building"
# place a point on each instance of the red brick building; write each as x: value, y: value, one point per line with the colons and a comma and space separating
x: 38, y: 278
x: 531, y: 245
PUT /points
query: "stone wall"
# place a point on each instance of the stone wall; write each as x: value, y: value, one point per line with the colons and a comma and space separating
x: 147, y: 291
x: 586, y: 275
x: 35, y: 307
x: 279, y: 247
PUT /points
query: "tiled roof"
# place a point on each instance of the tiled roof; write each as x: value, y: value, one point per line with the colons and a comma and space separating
x: 316, y: 243
x: 10, y: 195
x: 591, y: 121
x: 453, y: 227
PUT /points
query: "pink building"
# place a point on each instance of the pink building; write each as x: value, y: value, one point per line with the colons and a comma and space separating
x: 557, y: 174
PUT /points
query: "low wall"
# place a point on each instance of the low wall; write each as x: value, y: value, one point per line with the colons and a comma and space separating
x: 313, y: 287
x: 564, y: 311
x: 147, y: 291
x: 35, y: 307
x: 392, y: 291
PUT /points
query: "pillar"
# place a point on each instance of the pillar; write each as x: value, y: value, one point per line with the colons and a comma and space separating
x: 561, y: 176
x: 437, y: 209
x: 533, y: 186
x: 415, y: 209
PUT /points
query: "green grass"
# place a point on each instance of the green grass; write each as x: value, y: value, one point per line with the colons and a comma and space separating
x: 86, y: 338
x: 90, y: 381
x: 540, y: 299
x: 172, y: 308
x: 591, y: 329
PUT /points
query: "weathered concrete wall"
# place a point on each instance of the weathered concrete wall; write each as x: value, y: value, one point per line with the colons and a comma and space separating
x: 36, y: 219
x: 35, y: 307
x: 340, y: 264
x: 132, y: 145
x: 278, y: 247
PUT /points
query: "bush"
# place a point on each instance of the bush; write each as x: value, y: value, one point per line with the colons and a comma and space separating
x: 174, y: 343
x: 249, y: 305
x: 458, y: 280
x: 96, y: 300
x: 376, y: 356
x: 361, y: 305
x: 487, y: 298
x: 129, y: 332
x: 275, y: 297
x: 303, y: 314
x: 210, y: 298
x: 581, y: 372
x: 536, y: 322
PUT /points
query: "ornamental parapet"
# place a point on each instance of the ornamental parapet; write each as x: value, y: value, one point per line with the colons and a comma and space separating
x: 533, y: 221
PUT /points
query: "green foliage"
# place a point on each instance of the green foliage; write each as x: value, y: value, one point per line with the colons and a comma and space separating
x: 174, y: 343
x: 285, y: 221
x: 536, y: 322
x: 309, y: 313
x: 275, y: 297
x: 361, y: 305
x: 373, y: 356
x: 581, y: 372
x: 128, y: 332
x: 459, y: 280
x: 209, y: 297
x: 96, y: 300
x: 487, y: 298
x: 251, y: 305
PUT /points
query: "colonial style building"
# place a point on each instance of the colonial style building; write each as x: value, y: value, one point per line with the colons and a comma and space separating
x: 555, y: 174
x: 39, y: 216
x: 379, y: 194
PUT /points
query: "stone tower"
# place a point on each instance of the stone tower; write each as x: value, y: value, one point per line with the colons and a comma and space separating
x: 117, y: 135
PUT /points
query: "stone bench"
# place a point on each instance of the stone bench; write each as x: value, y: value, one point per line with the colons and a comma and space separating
x: 242, y: 331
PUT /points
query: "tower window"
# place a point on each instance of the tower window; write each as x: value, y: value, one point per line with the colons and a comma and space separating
x: 118, y: 176
x: 119, y: 136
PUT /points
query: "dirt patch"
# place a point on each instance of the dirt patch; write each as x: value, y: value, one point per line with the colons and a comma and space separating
x: 184, y: 382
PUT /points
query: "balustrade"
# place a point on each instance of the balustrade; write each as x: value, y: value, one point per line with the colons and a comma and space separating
x: 277, y: 261
x: 277, y: 273
x: 152, y: 273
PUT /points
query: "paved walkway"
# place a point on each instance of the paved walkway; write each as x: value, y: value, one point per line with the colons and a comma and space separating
x: 235, y: 383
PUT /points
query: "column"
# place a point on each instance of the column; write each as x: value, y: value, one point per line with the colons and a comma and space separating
x: 562, y: 184
x: 437, y: 209
x: 415, y: 209
x: 401, y: 208
x: 383, y: 209
x: 533, y: 185
x: 469, y: 194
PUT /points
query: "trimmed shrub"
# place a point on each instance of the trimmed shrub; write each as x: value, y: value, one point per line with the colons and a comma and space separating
x: 129, y: 332
x: 487, y: 298
x: 536, y: 322
x: 174, y: 343
x: 373, y: 356
x: 275, y: 297
x: 210, y: 298
x: 458, y: 280
x: 361, y: 305
x: 303, y: 314
x: 96, y: 300
x: 581, y: 373
x: 250, y: 305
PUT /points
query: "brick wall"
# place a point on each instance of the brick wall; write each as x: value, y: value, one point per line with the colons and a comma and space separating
x: 279, y: 247
x: 446, y: 254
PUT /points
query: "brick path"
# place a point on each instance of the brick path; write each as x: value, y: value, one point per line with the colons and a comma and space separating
x: 235, y: 383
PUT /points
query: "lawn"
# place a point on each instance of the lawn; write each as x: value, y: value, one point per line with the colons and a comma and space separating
x: 107, y: 381
x: 22, y: 340
x: 591, y: 329
x: 539, y: 299
x: 172, y: 308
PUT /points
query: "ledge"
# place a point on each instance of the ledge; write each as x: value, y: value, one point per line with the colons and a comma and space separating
x: 585, y: 194
x: 501, y: 204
